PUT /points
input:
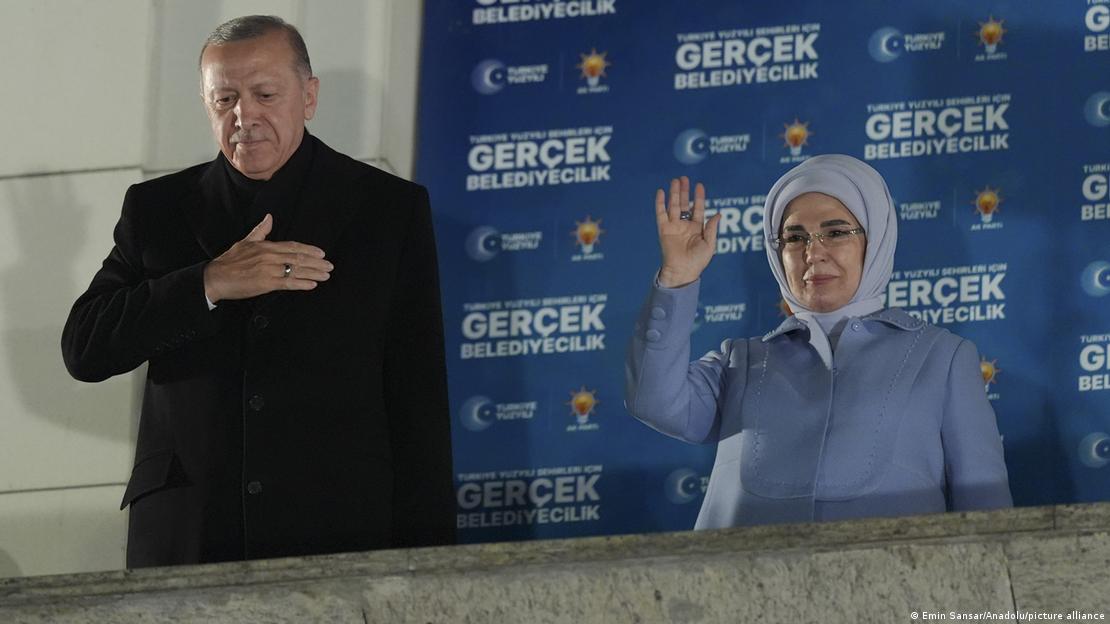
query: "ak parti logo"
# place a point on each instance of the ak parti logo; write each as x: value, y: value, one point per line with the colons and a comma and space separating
x: 587, y: 235
x: 593, y: 66
x: 795, y: 136
x: 582, y: 404
x: 990, y: 34
x: 987, y: 203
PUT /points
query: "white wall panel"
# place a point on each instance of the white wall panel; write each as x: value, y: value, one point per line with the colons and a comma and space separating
x: 62, y: 531
x: 349, y: 46
x: 286, y: 9
x: 400, y: 107
x: 74, y: 84
x: 55, y: 431
x: 177, y: 133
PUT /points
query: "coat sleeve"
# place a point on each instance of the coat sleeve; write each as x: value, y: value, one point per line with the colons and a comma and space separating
x: 416, y: 392
x: 975, y: 468
x: 126, y: 316
x: 663, y: 388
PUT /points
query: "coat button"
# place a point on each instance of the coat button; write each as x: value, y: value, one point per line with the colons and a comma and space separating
x: 260, y: 322
x: 658, y: 313
x: 653, y: 335
x: 256, y: 403
x: 254, y: 487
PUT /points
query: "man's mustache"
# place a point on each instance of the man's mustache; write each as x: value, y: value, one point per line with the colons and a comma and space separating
x: 245, y: 136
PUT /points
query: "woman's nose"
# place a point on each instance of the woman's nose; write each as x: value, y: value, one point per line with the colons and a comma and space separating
x: 815, y: 250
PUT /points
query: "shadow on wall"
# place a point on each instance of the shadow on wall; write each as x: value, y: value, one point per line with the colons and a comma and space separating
x: 475, y: 433
x: 8, y: 567
x: 50, y: 225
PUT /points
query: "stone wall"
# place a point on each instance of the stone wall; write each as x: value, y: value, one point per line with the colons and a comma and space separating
x: 1044, y: 560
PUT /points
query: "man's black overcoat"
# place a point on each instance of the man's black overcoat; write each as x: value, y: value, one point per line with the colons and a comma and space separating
x: 291, y: 423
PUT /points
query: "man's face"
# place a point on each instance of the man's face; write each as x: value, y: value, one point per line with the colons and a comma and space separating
x: 257, y: 102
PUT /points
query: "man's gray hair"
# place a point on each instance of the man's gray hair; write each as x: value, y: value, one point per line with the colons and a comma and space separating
x: 251, y: 26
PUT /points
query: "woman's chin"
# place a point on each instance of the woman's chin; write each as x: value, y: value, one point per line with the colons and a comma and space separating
x: 825, y: 304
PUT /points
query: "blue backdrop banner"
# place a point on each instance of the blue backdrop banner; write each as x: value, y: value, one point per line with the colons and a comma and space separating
x: 546, y: 126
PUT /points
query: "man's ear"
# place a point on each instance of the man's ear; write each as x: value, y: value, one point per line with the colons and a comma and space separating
x: 311, y: 89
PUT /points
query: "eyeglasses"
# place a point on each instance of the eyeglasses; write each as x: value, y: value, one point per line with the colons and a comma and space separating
x: 797, y: 241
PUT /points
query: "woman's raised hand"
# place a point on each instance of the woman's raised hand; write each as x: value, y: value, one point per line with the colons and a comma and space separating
x: 687, y: 244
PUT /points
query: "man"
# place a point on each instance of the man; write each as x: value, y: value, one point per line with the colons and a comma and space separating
x: 287, y: 301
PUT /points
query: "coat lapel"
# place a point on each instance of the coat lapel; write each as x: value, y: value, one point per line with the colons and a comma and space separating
x: 208, y: 211
x: 325, y: 204
x: 320, y: 215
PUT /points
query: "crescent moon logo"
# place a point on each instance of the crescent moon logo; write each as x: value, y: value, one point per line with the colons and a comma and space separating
x: 682, y: 486
x: 477, y: 413
x: 885, y: 44
x: 1096, y: 278
x: 1094, y: 450
x: 691, y: 146
x: 483, y: 243
x: 1097, y: 109
x: 488, y: 77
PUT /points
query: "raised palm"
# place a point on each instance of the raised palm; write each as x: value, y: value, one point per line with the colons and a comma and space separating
x: 687, y: 244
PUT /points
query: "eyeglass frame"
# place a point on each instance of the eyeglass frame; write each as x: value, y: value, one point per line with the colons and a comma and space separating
x: 778, y: 244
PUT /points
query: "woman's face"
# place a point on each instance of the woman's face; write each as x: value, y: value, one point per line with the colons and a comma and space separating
x: 824, y: 275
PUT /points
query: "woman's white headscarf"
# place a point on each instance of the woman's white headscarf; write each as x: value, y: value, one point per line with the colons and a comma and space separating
x: 863, y: 191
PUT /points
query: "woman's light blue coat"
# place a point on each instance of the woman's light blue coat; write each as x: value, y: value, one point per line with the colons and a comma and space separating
x: 900, y: 425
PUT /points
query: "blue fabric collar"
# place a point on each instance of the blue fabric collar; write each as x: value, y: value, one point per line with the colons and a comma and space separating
x: 894, y: 317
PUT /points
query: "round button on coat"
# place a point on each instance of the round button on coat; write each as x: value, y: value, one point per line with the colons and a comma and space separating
x: 653, y: 335
x: 256, y: 403
x: 260, y: 322
x: 254, y: 487
x: 658, y: 313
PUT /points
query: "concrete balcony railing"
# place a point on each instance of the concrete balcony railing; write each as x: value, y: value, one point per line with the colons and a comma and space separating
x: 1047, y: 563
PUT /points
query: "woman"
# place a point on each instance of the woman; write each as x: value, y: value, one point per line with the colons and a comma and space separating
x: 847, y: 409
